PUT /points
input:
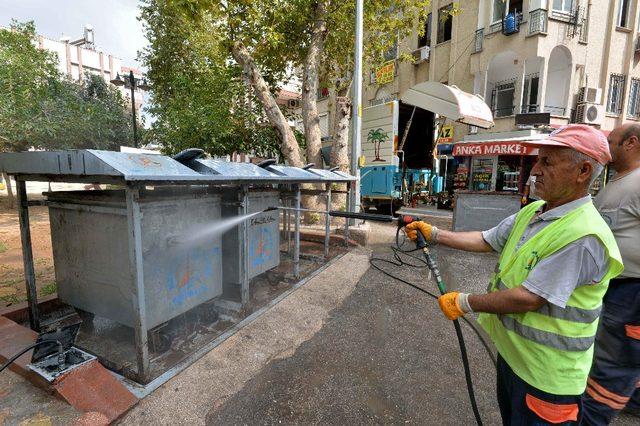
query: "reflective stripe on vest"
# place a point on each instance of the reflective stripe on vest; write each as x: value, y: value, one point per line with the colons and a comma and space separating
x: 556, y: 341
x: 568, y: 313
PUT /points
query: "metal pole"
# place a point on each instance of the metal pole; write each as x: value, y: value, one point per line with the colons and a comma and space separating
x: 244, y: 274
x: 289, y: 227
x: 27, y: 255
x: 133, y: 108
x: 137, y: 266
x: 346, y: 222
x: 354, y: 200
x: 296, y: 245
x: 327, y: 223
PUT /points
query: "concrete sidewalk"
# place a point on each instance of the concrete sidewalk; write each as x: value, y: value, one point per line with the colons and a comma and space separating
x: 275, y: 335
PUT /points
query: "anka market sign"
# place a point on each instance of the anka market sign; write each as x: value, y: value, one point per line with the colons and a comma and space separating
x: 492, y: 148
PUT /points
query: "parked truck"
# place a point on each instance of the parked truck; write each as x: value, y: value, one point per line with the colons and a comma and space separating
x: 398, y: 141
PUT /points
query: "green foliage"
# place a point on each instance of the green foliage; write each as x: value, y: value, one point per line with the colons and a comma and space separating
x: 39, y: 108
x: 199, y: 96
x: 3, y: 247
x: 48, y: 289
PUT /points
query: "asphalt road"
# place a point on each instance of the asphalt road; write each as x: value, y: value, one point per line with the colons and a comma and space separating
x: 384, y: 356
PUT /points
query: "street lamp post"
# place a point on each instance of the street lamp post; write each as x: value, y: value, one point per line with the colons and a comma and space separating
x: 132, y: 83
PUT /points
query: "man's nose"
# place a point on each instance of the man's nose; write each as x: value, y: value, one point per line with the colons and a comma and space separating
x: 535, y: 170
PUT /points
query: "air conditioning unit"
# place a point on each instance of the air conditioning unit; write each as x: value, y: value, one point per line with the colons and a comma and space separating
x: 294, y: 103
x: 421, y: 55
x: 589, y: 113
x: 590, y: 94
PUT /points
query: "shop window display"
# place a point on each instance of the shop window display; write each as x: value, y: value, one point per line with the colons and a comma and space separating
x: 481, y: 174
x: 509, y: 169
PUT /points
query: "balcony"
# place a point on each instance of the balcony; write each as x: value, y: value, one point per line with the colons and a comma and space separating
x: 538, y: 21
x: 511, y: 23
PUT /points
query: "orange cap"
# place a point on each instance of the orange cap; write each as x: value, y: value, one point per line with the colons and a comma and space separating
x: 580, y: 137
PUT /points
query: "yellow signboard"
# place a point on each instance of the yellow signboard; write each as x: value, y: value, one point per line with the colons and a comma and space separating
x: 446, y: 134
x: 386, y: 73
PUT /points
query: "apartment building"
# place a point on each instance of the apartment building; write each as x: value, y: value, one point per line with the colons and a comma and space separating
x: 77, y: 57
x: 575, y: 60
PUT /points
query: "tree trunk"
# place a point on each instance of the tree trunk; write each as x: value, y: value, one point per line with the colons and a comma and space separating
x: 288, y: 143
x: 310, y: 118
x: 9, y: 190
x: 340, y: 146
x: 312, y: 132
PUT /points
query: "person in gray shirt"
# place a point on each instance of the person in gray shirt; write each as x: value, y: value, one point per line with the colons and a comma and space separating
x: 615, y: 375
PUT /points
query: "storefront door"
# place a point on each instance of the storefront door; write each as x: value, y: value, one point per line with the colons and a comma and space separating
x: 483, y: 173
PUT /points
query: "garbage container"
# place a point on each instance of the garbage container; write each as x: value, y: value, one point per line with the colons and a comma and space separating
x: 90, y: 238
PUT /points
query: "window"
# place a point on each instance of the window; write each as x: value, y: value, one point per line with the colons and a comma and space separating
x: 502, y: 98
x: 616, y: 92
x: 324, y: 125
x: 444, y: 24
x: 530, y: 93
x: 499, y: 10
x: 623, y: 13
x: 565, y: 6
x: 425, y: 39
x: 633, y: 110
x: 514, y: 6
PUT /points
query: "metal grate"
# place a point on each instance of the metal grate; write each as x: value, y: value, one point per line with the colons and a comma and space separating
x: 538, y: 21
x: 479, y: 40
x: 616, y: 93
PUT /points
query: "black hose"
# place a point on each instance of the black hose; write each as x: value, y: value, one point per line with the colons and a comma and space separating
x: 467, y: 372
x: 428, y: 262
x: 23, y: 351
x: 468, y: 322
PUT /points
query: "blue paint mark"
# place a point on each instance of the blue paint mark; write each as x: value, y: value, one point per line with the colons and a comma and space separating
x: 262, y: 249
x: 190, y: 274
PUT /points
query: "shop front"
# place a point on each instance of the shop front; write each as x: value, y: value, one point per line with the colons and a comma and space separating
x: 489, y: 178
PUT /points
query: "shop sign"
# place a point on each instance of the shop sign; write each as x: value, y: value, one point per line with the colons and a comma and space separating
x: 446, y: 134
x: 386, y: 73
x: 492, y: 148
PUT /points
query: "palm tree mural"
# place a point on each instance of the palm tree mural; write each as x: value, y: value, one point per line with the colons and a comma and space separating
x: 377, y: 137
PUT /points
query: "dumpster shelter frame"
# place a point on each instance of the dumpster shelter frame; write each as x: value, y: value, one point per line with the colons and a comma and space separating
x: 135, y: 172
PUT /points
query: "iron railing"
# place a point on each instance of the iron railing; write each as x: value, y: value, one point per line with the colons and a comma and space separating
x: 528, y: 108
x: 503, y: 112
x: 479, y: 40
x: 538, y: 21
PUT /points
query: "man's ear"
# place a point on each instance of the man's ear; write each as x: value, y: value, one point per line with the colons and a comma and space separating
x: 632, y: 142
x: 585, y: 171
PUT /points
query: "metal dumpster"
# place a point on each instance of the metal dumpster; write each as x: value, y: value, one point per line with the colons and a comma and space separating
x: 263, y: 238
x: 89, y: 234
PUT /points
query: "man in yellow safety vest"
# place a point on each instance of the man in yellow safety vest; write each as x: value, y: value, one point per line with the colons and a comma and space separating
x: 544, y: 300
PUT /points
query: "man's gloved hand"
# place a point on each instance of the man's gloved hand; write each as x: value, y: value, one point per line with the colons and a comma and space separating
x: 450, y: 305
x: 423, y: 227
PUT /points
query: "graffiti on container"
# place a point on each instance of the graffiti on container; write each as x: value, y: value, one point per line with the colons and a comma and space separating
x: 261, y: 248
x: 190, y: 274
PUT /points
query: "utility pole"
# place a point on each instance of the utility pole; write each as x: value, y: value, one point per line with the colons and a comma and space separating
x: 132, y: 82
x: 354, y: 199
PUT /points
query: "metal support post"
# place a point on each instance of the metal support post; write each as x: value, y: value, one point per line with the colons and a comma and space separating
x: 296, y: 245
x: 244, y: 274
x: 346, y: 221
x: 327, y: 223
x: 356, y: 122
x: 27, y: 255
x: 289, y: 227
x: 137, y: 266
